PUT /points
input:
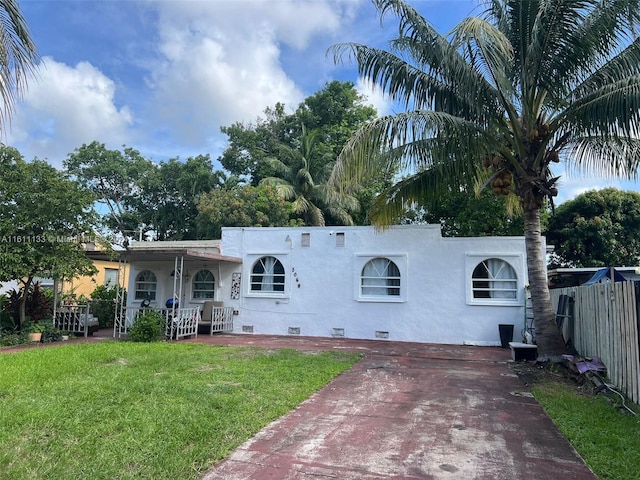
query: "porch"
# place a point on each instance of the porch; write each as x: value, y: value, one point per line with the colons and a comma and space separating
x: 191, y: 277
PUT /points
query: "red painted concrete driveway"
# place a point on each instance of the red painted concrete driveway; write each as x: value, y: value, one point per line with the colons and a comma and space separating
x: 407, y: 411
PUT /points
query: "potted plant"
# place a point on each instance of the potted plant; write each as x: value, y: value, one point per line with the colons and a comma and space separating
x: 35, y: 332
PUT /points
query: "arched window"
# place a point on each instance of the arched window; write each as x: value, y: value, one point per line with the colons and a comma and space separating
x: 203, y: 286
x: 146, y: 285
x: 380, y: 278
x: 267, y: 275
x: 494, y: 278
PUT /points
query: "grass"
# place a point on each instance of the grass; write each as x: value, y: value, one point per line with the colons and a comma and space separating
x: 118, y: 410
x: 606, y: 436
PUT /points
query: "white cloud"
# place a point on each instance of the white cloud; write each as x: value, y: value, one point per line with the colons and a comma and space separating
x: 66, y: 107
x: 375, y: 96
x: 222, y: 60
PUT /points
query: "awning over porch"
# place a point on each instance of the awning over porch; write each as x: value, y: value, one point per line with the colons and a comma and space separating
x: 187, y: 249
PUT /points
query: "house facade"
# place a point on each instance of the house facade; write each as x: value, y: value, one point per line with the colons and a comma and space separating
x: 406, y: 283
x: 108, y: 273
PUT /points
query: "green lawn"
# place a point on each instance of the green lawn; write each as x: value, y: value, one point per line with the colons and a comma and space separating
x: 119, y: 410
x: 606, y: 436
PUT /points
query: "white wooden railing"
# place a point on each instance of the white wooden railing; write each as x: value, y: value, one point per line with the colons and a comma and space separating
x: 183, y: 323
x: 73, y: 318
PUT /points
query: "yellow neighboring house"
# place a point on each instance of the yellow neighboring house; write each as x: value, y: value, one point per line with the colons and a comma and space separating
x: 108, y: 273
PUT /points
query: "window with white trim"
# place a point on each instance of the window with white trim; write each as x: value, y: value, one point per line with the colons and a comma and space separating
x: 267, y: 276
x: 380, y: 277
x: 494, y: 278
x: 146, y: 283
x: 111, y: 277
x: 203, y: 286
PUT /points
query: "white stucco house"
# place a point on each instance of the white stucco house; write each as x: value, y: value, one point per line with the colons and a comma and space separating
x: 406, y: 283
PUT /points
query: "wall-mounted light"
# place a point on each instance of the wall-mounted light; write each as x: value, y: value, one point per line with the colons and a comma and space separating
x: 288, y: 239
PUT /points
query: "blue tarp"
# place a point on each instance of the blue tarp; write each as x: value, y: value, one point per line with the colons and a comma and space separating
x: 603, y: 274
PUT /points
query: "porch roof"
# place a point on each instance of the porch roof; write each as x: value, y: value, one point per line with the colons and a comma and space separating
x: 168, y: 251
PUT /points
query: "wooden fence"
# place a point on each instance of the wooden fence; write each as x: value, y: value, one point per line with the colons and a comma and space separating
x: 603, y: 321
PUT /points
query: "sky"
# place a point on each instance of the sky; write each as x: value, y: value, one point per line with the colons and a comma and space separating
x: 162, y: 76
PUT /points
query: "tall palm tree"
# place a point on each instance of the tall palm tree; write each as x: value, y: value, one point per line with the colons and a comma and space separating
x: 18, y: 56
x: 300, y: 177
x: 498, y: 101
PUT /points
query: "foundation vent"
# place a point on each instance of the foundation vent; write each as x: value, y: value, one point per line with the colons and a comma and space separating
x: 381, y: 334
x: 337, y: 332
x: 247, y: 328
x: 294, y: 330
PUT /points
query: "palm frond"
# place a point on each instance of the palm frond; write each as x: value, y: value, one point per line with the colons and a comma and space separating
x: 311, y: 213
x: 278, y: 166
x: 612, y: 110
x: 283, y: 188
x: 487, y: 49
x: 423, y: 188
x: 588, y: 41
x: 303, y: 177
x: 18, y: 55
x: 621, y: 66
x: 604, y: 156
x: 402, y: 143
x: 434, y: 75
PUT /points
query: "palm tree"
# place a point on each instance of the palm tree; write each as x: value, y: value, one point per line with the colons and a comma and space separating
x: 497, y: 101
x: 300, y: 177
x: 18, y: 56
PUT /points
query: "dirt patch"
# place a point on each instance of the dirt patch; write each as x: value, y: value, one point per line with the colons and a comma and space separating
x: 532, y: 373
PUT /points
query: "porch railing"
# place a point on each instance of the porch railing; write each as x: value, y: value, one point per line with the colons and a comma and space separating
x: 74, y: 318
x: 183, y: 323
x: 178, y: 323
x: 221, y: 320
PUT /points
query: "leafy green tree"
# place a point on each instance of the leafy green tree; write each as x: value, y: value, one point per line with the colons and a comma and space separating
x: 463, y: 214
x: 44, y: 220
x: 334, y: 113
x: 599, y: 228
x: 249, y: 145
x: 300, y: 177
x: 169, y: 196
x: 114, y: 177
x: 103, y: 304
x: 499, y: 100
x: 241, y: 206
x: 18, y: 56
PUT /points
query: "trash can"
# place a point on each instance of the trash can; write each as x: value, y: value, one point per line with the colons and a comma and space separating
x: 506, y: 334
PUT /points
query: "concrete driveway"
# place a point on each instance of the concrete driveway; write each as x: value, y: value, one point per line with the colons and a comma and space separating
x: 407, y: 411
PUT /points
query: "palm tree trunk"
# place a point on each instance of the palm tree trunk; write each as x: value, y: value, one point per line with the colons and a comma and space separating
x: 548, y: 337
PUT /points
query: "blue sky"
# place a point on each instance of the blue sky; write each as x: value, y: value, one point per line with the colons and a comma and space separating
x: 163, y: 76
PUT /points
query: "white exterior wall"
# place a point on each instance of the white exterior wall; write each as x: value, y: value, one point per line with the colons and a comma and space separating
x: 164, y: 286
x: 322, y: 284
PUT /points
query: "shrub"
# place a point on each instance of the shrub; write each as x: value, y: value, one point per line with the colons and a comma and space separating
x: 39, y: 303
x: 7, y: 323
x: 149, y: 327
x: 11, y: 339
x: 49, y: 332
x: 103, y: 304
